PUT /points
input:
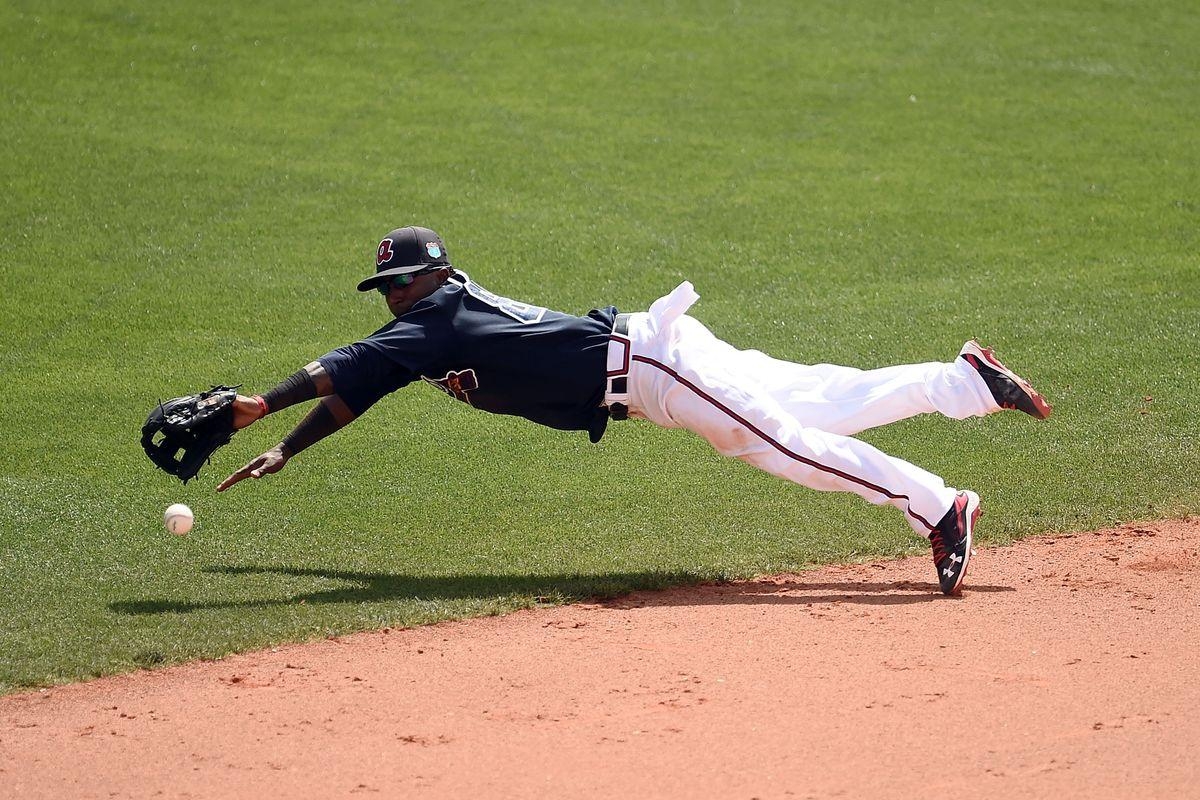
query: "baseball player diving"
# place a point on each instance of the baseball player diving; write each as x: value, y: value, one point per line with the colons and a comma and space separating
x: 579, y: 373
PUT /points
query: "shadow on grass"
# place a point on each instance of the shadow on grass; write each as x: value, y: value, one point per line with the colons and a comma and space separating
x: 372, y: 587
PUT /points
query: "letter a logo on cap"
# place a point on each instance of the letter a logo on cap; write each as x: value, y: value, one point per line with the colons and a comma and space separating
x: 385, y: 252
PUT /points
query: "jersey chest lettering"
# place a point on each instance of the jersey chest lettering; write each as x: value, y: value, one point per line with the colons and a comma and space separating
x: 521, y: 312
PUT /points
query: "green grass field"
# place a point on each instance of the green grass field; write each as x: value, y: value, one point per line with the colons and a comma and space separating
x: 192, y: 193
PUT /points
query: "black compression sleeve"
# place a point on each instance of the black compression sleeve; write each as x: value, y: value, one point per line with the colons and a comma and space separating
x: 319, y: 423
x: 296, y: 389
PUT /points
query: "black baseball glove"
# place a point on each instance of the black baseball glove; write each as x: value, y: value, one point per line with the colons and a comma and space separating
x: 181, y: 434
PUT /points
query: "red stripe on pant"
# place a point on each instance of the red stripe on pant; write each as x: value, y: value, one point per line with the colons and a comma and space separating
x: 766, y: 438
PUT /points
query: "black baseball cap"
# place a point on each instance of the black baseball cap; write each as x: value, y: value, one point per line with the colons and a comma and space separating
x: 405, y: 250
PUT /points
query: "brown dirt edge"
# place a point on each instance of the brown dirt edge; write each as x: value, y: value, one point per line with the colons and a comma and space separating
x: 1067, y: 669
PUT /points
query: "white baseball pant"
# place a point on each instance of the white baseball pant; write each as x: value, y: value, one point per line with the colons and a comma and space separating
x: 792, y: 420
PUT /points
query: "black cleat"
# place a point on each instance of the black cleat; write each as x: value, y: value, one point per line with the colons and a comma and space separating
x: 1008, y: 388
x: 951, y: 541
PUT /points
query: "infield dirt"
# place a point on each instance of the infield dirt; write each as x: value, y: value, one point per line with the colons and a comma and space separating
x: 1067, y: 669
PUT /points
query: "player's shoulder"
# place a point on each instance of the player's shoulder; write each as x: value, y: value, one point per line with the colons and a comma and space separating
x: 425, y: 319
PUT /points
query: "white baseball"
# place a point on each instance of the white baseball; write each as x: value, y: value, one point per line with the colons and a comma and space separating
x: 178, y: 519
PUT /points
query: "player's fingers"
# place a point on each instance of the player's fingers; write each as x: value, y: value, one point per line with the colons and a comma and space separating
x: 230, y: 481
x: 266, y: 464
x: 241, y: 474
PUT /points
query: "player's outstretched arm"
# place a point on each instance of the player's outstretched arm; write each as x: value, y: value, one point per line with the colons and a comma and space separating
x: 310, y: 382
x: 330, y: 415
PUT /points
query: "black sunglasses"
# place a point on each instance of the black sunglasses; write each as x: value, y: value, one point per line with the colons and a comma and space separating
x: 400, y: 281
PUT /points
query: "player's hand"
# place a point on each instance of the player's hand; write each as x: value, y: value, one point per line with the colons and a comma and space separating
x: 269, y: 462
x: 246, y: 410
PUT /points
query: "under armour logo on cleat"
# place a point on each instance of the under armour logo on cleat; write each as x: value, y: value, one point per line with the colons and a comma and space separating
x: 949, y: 570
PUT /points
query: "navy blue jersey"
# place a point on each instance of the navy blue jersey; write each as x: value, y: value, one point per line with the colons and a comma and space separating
x: 497, y: 354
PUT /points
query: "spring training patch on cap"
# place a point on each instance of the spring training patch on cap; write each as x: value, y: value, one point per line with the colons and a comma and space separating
x: 433, y: 249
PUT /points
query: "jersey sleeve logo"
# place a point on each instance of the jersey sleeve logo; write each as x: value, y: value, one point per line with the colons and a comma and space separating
x: 457, y: 384
x: 385, y: 252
